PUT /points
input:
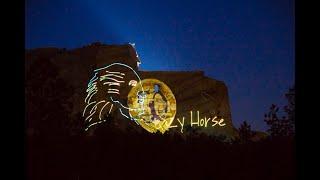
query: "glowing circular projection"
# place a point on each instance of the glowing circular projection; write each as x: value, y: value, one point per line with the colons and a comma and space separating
x: 153, y: 105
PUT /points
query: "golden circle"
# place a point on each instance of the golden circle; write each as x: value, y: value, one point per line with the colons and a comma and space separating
x: 152, y: 104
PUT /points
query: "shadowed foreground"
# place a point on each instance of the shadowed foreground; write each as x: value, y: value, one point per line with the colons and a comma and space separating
x: 114, y: 154
x: 56, y: 148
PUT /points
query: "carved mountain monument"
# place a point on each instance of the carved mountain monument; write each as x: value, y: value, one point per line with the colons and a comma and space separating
x: 179, y: 101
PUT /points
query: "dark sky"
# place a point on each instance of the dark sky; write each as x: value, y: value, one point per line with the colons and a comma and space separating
x: 248, y: 44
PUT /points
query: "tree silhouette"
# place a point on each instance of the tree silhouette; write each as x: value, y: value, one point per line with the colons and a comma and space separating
x: 282, y: 127
x: 290, y: 110
x: 245, y: 132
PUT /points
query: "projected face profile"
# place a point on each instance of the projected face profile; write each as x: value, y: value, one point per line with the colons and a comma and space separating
x: 117, y: 87
x: 153, y: 105
x: 104, y: 91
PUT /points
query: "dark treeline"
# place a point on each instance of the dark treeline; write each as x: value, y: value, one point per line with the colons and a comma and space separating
x: 115, y: 154
x: 57, y: 148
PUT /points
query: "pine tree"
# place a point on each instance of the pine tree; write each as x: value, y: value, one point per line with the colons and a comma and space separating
x: 245, y: 132
x: 282, y: 127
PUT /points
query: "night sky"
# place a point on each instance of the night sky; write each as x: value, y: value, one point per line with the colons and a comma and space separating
x: 245, y: 43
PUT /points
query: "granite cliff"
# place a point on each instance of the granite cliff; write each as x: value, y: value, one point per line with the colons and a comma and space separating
x: 192, y: 89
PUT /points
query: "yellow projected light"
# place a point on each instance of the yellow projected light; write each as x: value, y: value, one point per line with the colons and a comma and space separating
x: 153, y: 105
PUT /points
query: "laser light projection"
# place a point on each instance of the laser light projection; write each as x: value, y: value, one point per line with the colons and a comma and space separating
x: 104, y: 90
x: 150, y: 102
x: 153, y: 105
x: 117, y: 89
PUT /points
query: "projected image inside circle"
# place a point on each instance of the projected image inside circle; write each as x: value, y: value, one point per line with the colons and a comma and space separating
x: 153, y: 105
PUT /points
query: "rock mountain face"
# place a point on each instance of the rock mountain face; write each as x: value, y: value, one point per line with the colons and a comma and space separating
x: 194, y: 92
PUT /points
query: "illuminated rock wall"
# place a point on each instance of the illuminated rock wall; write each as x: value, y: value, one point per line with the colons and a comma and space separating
x: 197, y: 93
x: 194, y: 92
